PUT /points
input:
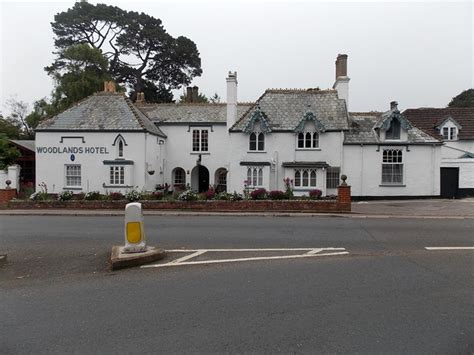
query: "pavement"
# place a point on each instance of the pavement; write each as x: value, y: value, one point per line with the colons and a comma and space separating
x: 426, y: 208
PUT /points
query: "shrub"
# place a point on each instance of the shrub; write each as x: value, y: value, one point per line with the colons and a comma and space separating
x: 155, y: 195
x: 236, y: 197
x: 65, y: 196
x: 315, y: 194
x: 163, y: 188
x: 210, y: 193
x: 115, y: 196
x: 258, y: 194
x: 39, y: 196
x: 288, y: 187
x: 79, y: 196
x: 277, y: 195
x: 133, y: 195
x: 188, y: 195
x: 92, y: 196
x: 222, y: 196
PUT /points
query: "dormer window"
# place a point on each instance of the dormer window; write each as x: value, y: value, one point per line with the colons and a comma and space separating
x: 394, y: 131
x: 257, y: 141
x: 450, y: 133
x: 308, y: 140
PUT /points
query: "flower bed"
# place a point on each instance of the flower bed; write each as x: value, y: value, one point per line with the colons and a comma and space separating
x: 205, y: 206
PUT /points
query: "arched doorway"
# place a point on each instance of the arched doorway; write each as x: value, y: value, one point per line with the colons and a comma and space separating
x: 220, y: 180
x: 200, y: 178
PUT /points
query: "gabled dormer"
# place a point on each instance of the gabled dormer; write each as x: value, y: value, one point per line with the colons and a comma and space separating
x: 393, y: 126
x: 307, y: 131
x: 449, y: 129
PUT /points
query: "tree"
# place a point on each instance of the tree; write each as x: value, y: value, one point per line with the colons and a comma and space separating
x: 139, y: 50
x: 8, y: 154
x: 80, y: 72
x: 18, y: 115
x: 9, y: 129
x: 464, y: 99
x: 215, y: 99
x: 41, y: 110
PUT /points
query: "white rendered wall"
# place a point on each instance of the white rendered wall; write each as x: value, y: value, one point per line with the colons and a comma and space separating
x: 179, y: 151
x: 279, y: 148
x: 11, y: 173
x: 141, y: 148
x: 363, y: 167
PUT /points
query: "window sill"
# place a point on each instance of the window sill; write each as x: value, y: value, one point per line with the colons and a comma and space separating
x: 392, y: 185
x: 76, y: 188
x: 256, y: 151
x: 304, y: 188
x: 307, y: 149
x: 200, y: 153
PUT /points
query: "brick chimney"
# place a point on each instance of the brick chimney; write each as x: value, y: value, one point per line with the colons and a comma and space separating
x: 140, y: 98
x: 231, y: 99
x: 109, y: 86
x: 189, y: 95
x: 195, y: 94
x: 342, y: 80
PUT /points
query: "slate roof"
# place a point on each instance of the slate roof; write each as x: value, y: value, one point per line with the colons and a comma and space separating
x: 428, y: 119
x: 102, y: 111
x: 190, y: 112
x: 285, y: 108
x: 362, y: 130
x: 27, y: 144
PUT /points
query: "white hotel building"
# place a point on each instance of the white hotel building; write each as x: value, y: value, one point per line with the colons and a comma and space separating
x: 107, y: 143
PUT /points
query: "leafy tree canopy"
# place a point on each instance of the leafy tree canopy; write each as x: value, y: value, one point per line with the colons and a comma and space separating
x: 464, y: 99
x: 9, y: 129
x: 140, y: 53
x: 8, y: 154
x: 201, y: 99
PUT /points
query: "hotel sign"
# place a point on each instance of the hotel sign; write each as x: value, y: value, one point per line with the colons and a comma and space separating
x: 72, y: 150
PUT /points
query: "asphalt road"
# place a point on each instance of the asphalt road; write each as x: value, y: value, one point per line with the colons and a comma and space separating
x: 388, y: 295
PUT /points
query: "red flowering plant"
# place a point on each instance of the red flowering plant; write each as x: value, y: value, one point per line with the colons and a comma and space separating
x: 116, y: 196
x: 288, y: 187
x: 259, y: 194
x: 277, y: 195
x: 210, y: 193
x: 315, y: 194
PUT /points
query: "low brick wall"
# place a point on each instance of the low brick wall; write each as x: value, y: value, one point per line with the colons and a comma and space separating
x: 321, y: 206
x: 7, y: 194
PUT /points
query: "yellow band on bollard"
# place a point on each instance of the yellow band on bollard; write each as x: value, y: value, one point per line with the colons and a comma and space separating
x: 134, y: 232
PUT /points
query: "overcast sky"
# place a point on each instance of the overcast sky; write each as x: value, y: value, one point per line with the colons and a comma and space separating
x: 420, y: 54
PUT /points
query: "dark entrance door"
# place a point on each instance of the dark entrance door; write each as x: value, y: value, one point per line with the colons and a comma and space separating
x: 203, y: 179
x: 449, y: 182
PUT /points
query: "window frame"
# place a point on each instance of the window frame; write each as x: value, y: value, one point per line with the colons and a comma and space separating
x: 451, y: 134
x: 302, y: 140
x: 305, y: 178
x: 255, y: 177
x: 333, y: 176
x: 394, y: 133
x: 68, y: 176
x: 116, y: 175
x: 200, y: 140
x: 256, y: 142
x: 392, y: 160
x: 175, y: 181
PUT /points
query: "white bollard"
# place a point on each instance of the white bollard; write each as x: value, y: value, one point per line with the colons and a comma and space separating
x: 135, y: 240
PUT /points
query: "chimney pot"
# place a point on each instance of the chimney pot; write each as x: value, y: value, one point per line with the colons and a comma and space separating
x: 393, y: 105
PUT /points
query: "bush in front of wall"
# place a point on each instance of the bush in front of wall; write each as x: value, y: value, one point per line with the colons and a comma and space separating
x: 258, y: 194
x: 133, y: 195
x: 315, y: 194
x: 93, y: 196
x: 188, y: 195
x: 277, y: 195
x: 210, y: 193
x: 116, y: 196
x: 65, y: 196
x: 222, y: 196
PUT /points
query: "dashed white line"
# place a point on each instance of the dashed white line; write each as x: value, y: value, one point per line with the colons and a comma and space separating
x: 449, y: 248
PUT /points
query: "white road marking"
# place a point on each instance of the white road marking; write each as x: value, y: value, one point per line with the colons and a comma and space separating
x: 310, y: 253
x: 449, y: 248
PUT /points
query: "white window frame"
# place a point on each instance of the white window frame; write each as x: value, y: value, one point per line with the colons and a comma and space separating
x: 392, y: 167
x: 200, y: 142
x: 259, y: 142
x: 333, y: 176
x: 255, y: 176
x: 69, y: 175
x: 313, y: 141
x: 303, y: 178
x: 451, y: 133
x: 180, y: 170
x: 117, y: 175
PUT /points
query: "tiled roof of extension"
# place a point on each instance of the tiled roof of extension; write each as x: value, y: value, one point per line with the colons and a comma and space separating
x: 428, y: 119
x: 285, y: 108
x: 362, y: 130
x: 102, y: 111
x: 190, y: 112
